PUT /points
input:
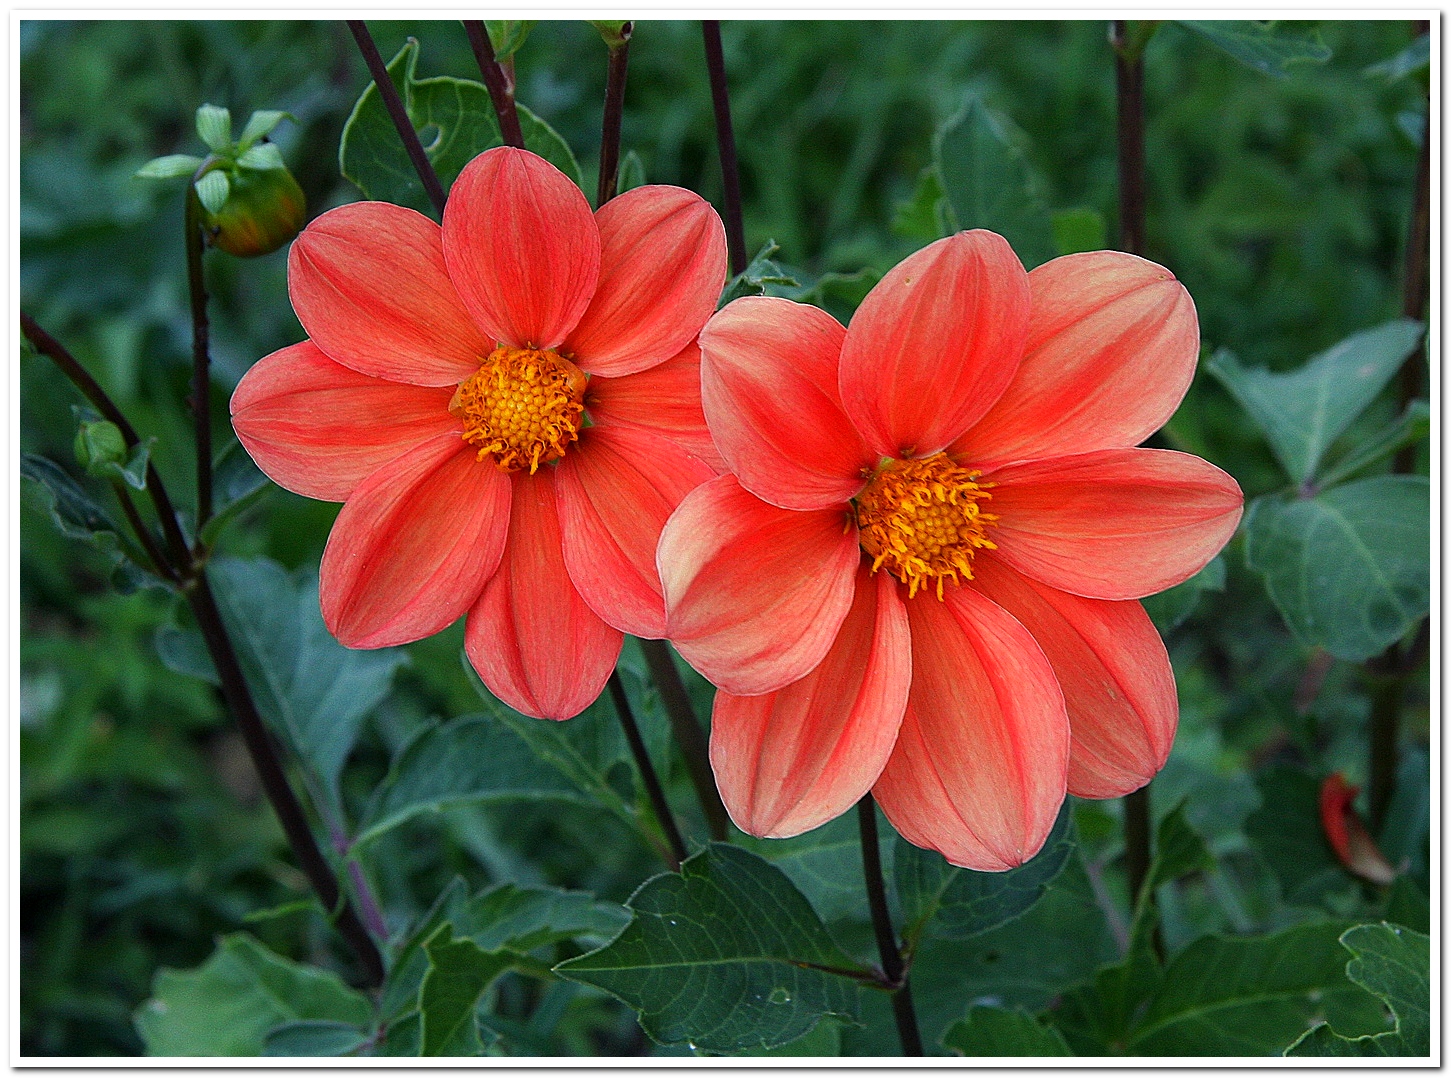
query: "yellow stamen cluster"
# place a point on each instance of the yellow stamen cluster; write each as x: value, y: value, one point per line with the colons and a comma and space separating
x: 523, y: 407
x: 921, y: 520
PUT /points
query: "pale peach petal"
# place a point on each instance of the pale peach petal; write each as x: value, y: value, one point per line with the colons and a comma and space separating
x: 616, y: 488
x: 979, y: 770
x: 768, y: 385
x: 319, y: 429
x: 414, y: 545
x: 1114, y: 672
x: 368, y: 283
x: 1112, y: 342
x: 533, y: 640
x: 935, y: 343
x: 665, y: 398
x: 1114, y: 524
x: 790, y: 760
x: 754, y: 594
x: 521, y: 246
x: 662, y: 266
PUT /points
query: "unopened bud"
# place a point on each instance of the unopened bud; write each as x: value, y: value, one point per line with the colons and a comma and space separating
x: 99, y: 444
x: 264, y: 209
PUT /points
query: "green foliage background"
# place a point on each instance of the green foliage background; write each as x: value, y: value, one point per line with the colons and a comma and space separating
x: 1281, y: 203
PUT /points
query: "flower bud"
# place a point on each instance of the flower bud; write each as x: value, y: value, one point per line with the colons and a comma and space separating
x: 99, y: 444
x: 264, y: 209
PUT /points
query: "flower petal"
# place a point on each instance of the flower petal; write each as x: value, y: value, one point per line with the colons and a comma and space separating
x: 754, y: 594
x: 319, y: 429
x: 521, y: 246
x: 662, y: 266
x: 368, y: 283
x: 1114, y: 524
x: 530, y: 636
x: 1112, y: 342
x: 788, y: 761
x: 616, y: 489
x: 414, y: 545
x: 1114, y: 672
x: 768, y: 385
x: 935, y: 343
x: 665, y: 398
x: 979, y: 770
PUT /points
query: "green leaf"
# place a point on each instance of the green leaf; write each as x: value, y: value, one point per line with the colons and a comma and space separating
x: 957, y: 903
x: 1170, y: 609
x: 519, y: 919
x: 992, y: 1031
x: 1395, y: 964
x: 262, y: 158
x: 1286, y: 830
x: 548, y: 143
x: 752, y: 281
x: 724, y: 957
x: 1303, y: 411
x: 507, y: 36
x: 1178, y: 851
x: 261, y: 124
x: 1412, y: 426
x: 237, y: 485
x: 458, y: 973
x: 1349, y: 569
x: 1258, y: 45
x: 77, y: 516
x: 1079, y: 229
x: 214, y: 125
x: 1414, y: 57
x: 213, y: 189
x: 227, y: 1005
x: 631, y: 173
x: 171, y: 167
x: 918, y: 217
x: 988, y: 182
x: 825, y: 864
x: 314, y: 1037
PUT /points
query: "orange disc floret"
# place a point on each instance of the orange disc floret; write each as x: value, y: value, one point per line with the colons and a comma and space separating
x: 523, y: 407
x: 920, y: 519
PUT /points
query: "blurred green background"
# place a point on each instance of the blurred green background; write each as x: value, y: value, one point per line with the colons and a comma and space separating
x: 1281, y: 203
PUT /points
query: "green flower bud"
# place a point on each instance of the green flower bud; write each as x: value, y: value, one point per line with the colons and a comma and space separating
x: 264, y: 208
x: 99, y: 444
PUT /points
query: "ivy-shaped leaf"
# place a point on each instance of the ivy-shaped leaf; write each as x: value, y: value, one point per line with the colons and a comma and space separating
x: 1394, y: 963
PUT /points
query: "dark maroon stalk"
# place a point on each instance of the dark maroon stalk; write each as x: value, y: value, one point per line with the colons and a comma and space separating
x: 726, y: 140
x: 1129, y: 67
x: 159, y: 564
x: 647, y: 773
x: 500, y: 92
x: 688, y: 735
x: 1416, y: 283
x: 201, y: 379
x: 892, y: 964
x: 1138, y: 830
x: 399, y: 114
x: 614, y: 115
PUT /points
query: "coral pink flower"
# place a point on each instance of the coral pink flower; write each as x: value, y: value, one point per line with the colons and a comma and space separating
x: 508, y: 406
x: 921, y: 578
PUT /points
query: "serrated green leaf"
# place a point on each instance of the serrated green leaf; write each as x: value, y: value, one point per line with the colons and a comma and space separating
x: 825, y: 864
x: 988, y: 183
x: 519, y: 919
x: 262, y: 158
x: 1303, y: 411
x: 261, y: 124
x: 171, y: 167
x: 458, y: 973
x: 213, y: 189
x: 957, y: 903
x: 752, y: 280
x: 992, y: 1031
x: 1079, y: 229
x: 1349, y: 569
x: 1412, y: 426
x: 724, y: 956
x: 314, y: 1037
x: 1259, y: 45
x: 631, y: 174
x: 1394, y: 963
x: 214, y: 125
x: 227, y: 1005
x: 1170, y: 609
x: 507, y: 36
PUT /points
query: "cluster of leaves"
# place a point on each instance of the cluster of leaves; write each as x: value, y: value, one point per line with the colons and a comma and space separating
x: 506, y: 854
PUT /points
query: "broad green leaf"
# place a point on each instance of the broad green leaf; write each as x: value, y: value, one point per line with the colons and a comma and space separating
x: 214, y: 126
x: 1260, y: 46
x: 228, y: 1004
x: 1170, y: 609
x: 507, y: 36
x: 313, y: 1037
x: 989, y: 183
x: 261, y: 124
x: 1395, y: 963
x: 957, y: 903
x: 1303, y: 411
x: 992, y: 1031
x: 213, y: 189
x: 1412, y: 426
x: 826, y: 864
x: 1414, y: 57
x: 1286, y: 830
x: 458, y: 973
x: 1079, y: 229
x: 752, y: 281
x: 77, y: 516
x: 631, y: 173
x: 823, y: 1040
x: 171, y: 167
x: 1349, y: 569
x: 728, y: 956
x: 1323, y: 1041
x: 520, y: 919
x: 237, y: 485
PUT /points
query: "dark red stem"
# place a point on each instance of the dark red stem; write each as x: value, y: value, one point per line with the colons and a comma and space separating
x: 496, y: 81
x: 613, y: 117
x: 726, y: 140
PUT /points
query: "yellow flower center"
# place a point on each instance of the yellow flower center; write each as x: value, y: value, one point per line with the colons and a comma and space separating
x: 921, y: 520
x: 522, y: 407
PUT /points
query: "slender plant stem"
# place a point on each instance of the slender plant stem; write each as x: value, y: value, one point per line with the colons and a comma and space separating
x: 498, y: 83
x: 613, y: 116
x: 201, y: 379
x: 688, y: 735
x: 399, y: 114
x: 726, y: 140
x: 159, y: 563
x: 647, y: 772
x: 1129, y: 67
x: 1137, y: 831
x: 892, y: 964
x: 1416, y: 284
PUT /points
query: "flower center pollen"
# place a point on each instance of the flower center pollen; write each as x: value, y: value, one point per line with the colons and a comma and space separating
x: 920, y: 520
x: 522, y: 407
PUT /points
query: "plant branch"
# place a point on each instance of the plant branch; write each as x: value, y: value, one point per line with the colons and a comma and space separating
x: 1129, y: 68
x: 497, y: 82
x: 647, y: 773
x: 398, y: 112
x: 201, y: 380
x: 1416, y: 284
x: 726, y: 140
x: 688, y: 735
x: 162, y: 567
x: 892, y: 964
x: 613, y: 116
x: 1138, y: 831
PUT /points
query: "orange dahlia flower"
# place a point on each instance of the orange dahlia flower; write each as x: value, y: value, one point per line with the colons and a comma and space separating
x: 508, y: 407
x: 921, y: 578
